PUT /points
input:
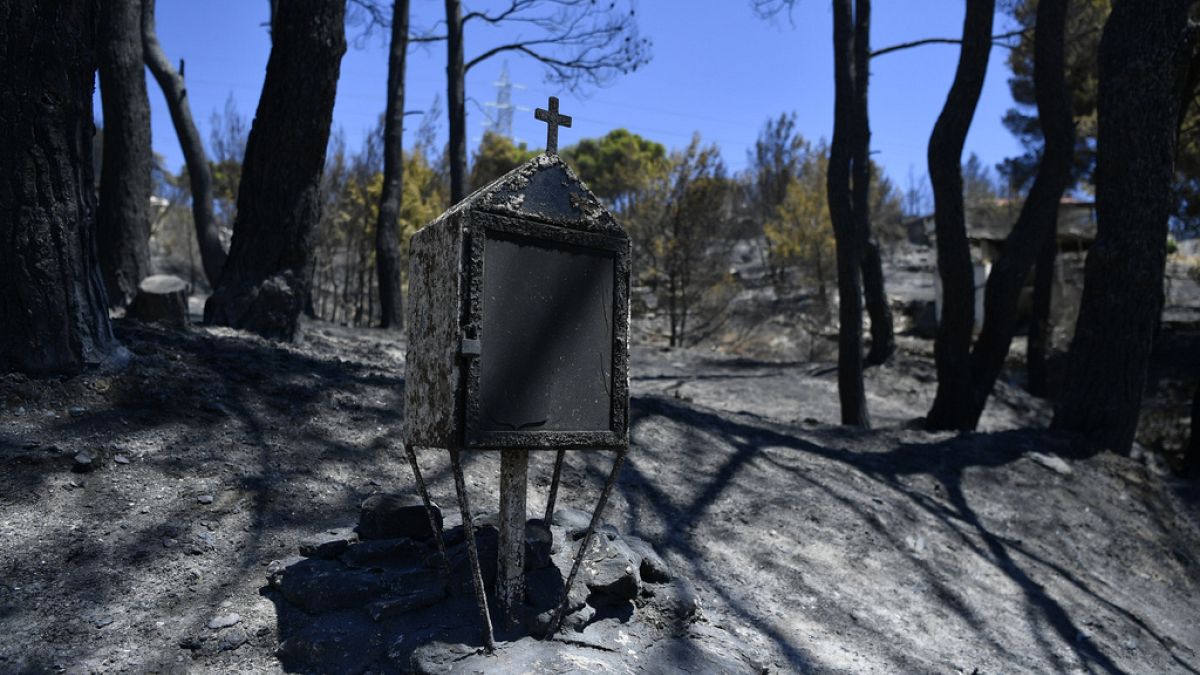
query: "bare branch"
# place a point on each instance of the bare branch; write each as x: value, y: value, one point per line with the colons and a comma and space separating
x: 997, y: 41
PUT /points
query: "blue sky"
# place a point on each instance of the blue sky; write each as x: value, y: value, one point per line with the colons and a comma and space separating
x: 717, y: 69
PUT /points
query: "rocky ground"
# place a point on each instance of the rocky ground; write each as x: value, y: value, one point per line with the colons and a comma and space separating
x: 142, y: 512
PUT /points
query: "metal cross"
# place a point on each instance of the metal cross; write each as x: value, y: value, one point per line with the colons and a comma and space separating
x: 552, y: 120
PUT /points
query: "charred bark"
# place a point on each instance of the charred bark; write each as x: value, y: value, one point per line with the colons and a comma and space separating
x: 1038, y: 349
x: 123, y: 217
x: 883, y: 339
x: 212, y: 253
x: 952, y: 347
x: 1191, y: 459
x: 52, y: 302
x: 456, y: 105
x: 851, y: 393
x: 1038, y: 219
x: 264, y: 286
x: 387, y: 236
x: 1144, y: 50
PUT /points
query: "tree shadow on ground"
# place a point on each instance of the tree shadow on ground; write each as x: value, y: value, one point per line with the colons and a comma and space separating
x: 945, y: 462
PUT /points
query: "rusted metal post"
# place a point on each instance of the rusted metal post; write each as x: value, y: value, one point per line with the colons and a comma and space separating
x: 435, y: 524
x: 587, y: 541
x: 460, y: 485
x: 558, y: 462
x: 510, y: 577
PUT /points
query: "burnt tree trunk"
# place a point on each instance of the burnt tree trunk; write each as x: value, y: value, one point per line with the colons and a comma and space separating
x: 123, y: 218
x: 883, y: 339
x: 841, y: 211
x: 1040, y: 334
x: 952, y: 347
x: 1191, y: 459
x: 387, y: 236
x: 1143, y: 53
x: 1038, y: 219
x: 264, y: 286
x: 456, y: 102
x: 208, y: 238
x: 52, y: 302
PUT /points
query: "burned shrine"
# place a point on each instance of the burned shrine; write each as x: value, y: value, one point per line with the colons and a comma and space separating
x: 518, y: 331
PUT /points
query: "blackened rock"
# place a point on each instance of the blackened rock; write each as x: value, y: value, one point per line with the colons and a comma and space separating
x: 612, y: 570
x: 653, y: 568
x: 538, y: 543
x: 385, y: 553
x: 328, y: 544
x: 319, y: 585
x: 574, y: 521
x: 340, y: 642
x: 676, y: 600
x: 487, y: 543
x: 386, y: 516
x: 232, y: 639
x: 402, y: 603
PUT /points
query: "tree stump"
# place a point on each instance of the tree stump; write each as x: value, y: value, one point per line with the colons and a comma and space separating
x: 161, y: 299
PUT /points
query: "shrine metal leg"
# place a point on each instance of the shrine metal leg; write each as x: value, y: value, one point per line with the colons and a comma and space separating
x: 510, y: 568
x: 587, y: 541
x: 558, y: 462
x: 434, y: 525
x: 472, y: 552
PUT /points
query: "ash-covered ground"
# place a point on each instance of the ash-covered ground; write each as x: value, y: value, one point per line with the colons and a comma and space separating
x: 138, y: 506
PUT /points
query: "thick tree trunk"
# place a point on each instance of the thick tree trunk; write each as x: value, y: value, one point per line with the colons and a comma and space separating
x: 1191, y: 460
x: 952, y: 347
x: 387, y: 236
x: 123, y: 218
x: 53, y: 307
x: 456, y: 104
x: 212, y: 254
x: 1143, y: 53
x: 1038, y: 349
x: 883, y: 339
x: 1039, y: 215
x: 841, y: 210
x: 264, y: 285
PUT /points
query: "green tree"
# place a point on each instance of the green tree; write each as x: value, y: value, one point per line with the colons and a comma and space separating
x: 618, y: 165
x: 496, y: 156
x: 680, y: 230
x: 799, y: 231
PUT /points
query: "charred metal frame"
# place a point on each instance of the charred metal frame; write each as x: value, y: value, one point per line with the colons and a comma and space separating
x: 479, y: 224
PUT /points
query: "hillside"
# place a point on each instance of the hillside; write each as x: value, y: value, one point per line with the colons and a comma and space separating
x: 136, y: 506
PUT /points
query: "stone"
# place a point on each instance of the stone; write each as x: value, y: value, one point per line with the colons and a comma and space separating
x: 232, y: 639
x: 205, y: 499
x: 317, y: 585
x: 487, y: 543
x: 1055, y: 464
x: 612, y: 570
x: 574, y: 521
x: 84, y: 462
x: 388, y: 516
x: 341, y: 638
x: 121, y: 459
x: 224, y: 621
x: 161, y: 298
x: 653, y: 568
x: 378, y: 553
x: 538, y: 544
x: 677, y: 600
x: 417, y: 598
x: 328, y: 544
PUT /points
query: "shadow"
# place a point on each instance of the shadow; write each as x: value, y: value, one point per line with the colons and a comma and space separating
x: 894, y: 469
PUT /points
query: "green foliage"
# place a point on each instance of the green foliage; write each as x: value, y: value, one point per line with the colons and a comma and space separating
x: 617, y: 165
x: 1085, y: 25
x: 496, y: 156
x: 800, y: 232
x: 679, y: 224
